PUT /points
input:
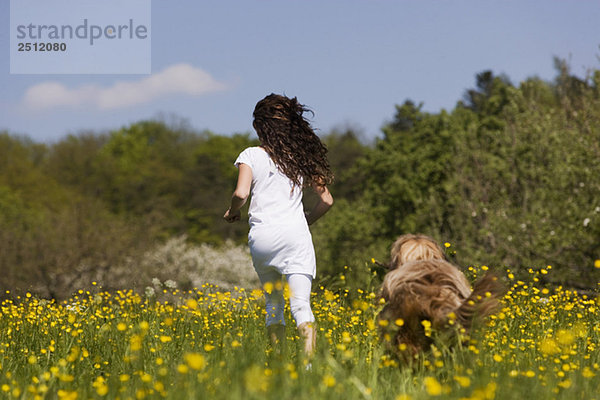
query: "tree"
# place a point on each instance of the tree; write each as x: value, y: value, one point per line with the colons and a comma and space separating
x: 208, y: 185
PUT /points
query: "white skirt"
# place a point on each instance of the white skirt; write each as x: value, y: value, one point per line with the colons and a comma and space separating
x: 286, y: 248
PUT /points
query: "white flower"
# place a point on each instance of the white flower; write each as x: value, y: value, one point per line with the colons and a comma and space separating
x: 149, y: 291
x: 586, y: 222
x: 156, y: 282
x: 170, y: 284
x: 74, y: 307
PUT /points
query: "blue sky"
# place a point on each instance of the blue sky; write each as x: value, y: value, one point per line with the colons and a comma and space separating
x: 351, y: 61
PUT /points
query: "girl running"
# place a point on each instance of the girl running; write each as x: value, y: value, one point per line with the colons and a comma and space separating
x: 290, y: 157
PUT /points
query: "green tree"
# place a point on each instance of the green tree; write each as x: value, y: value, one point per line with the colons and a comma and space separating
x: 52, y: 236
x: 509, y: 178
x: 208, y: 185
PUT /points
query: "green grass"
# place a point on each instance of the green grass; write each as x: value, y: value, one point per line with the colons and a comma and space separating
x: 206, y: 344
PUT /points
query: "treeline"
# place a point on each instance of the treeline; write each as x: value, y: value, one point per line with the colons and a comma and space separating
x: 77, y: 210
x: 510, y: 177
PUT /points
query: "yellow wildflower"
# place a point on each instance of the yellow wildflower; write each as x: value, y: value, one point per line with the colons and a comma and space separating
x: 195, y: 361
x: 329, y: 380
x: 432, y: 386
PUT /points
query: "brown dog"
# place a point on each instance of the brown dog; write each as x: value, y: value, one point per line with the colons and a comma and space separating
x: 423, y: 291
x: 414, y: 247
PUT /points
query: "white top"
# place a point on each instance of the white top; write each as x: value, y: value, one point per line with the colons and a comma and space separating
x: 274, y: 200
x: 279, y: 237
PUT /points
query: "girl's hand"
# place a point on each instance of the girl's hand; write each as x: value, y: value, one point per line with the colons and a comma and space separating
x: 232, y: 216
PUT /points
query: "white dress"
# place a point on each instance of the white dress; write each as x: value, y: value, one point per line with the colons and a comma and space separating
x: 279, y: 237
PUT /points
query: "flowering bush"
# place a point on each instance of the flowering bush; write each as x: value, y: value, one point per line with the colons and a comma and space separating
x: 192, y: 265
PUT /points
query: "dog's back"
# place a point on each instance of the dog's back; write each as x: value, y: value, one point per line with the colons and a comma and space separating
x: 435, y: 291
x: 429, y: 288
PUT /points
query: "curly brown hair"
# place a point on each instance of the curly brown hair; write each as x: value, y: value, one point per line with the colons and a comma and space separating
x: 290, y: 141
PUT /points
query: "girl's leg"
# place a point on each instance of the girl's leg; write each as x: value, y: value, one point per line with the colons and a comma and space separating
x: 274, y: 302
x: 300, y: 286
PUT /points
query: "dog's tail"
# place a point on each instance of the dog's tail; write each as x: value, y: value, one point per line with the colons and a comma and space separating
x: 483, y: 301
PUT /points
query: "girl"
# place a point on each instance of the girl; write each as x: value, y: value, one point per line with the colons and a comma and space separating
x: 290, y: 157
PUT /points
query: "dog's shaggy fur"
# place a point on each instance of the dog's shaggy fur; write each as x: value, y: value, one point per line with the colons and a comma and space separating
x: 414, y: 247
x: 422, y: 285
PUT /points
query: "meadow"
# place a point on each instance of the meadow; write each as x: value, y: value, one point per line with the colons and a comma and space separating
x: 207, y: 343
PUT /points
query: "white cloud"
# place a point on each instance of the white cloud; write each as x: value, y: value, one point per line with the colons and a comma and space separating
x: 176, y: 79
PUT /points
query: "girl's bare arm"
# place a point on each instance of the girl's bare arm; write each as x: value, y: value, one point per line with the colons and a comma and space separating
x: 323, y: 205
x: 240, y: 194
